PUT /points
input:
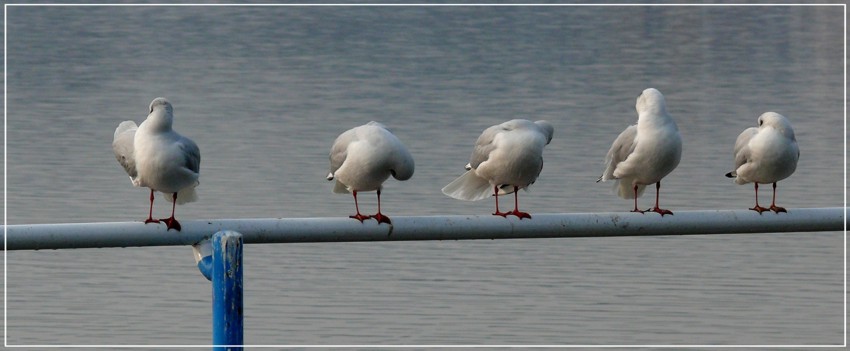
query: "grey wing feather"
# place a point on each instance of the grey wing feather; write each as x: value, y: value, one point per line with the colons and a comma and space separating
x: 484, y: 145
x: 122, y: 147
x: 742, y: 150
x: 339, y: 151
x: 622, y: 147
x: 193, y: 154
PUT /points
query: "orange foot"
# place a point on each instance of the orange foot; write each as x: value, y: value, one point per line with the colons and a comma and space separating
x: 519, y: 214
x: 662, y: 211
x: 172, y: 223
x: 381, y: 218
x: 777, y: 209
x: 759, y: 209
x: 359, y: 217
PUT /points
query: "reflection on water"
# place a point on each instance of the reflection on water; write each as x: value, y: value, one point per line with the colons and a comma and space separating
x: 264, y: 91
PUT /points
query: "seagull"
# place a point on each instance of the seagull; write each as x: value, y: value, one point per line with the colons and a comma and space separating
x: 766, y: 154
x: 362, y: 158
x: 646, y: 152
x: 157, y: 157
x: 507, y: 157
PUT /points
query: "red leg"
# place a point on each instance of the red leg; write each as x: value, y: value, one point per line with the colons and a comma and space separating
x: 773, y: 206
x: 357, y: 216
x: 379, y: 216
x: 658, y: 209
x: 516, y: 211
x: 150, y: 212
x: 170, y: 221
x: 636, y: 196
x: 758, y: 208
x: 496, y: 194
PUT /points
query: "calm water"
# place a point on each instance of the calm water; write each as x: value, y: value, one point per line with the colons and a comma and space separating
x: 264, y: 91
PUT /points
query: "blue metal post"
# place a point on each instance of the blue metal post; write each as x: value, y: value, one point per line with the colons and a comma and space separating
x: 224, y: 269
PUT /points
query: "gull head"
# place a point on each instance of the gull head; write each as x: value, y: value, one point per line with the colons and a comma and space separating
x: 161, y: 103
x: 778, y: 122
x: 161, y: 115
x: 547, y: 129
x: 651, y: 101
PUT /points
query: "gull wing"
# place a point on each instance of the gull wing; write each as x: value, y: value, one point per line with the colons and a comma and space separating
x: 484, y: 145
x: 622, y: 147
x: 742, y: 149
x: 122, y: 147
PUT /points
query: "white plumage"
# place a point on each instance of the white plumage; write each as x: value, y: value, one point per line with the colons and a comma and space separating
x: 362, y: 158
x: 507, y: 157
x: 157, y: 157
x: 644, y: 153
x: 766, y: 154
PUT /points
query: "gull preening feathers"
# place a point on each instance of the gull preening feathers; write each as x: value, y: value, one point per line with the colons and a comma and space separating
x: 507, y: 157
x: 157, y: 157
x: 362, y: 158
x: 766, y: 154
x: 646, y: 152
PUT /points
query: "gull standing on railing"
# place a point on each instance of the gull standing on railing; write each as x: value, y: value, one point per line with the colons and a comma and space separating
x: 362, y: 158
x: 507, y: 157
x: 766, y: 154
x: 646, y: 152
x: 157, y: 157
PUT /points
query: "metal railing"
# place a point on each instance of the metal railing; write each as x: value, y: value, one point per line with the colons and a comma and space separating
x: 303, y: 230
x: 218, y: 243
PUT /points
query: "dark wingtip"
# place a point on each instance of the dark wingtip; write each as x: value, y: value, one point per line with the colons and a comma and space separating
x: 730, y: 175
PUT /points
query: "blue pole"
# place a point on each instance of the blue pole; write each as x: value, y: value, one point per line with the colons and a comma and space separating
x: 224, y: 269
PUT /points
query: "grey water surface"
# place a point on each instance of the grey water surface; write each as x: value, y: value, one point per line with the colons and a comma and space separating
x: 264, y: 91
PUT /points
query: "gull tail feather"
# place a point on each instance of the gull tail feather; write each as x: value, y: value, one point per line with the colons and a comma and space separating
x: 183, y: 196
x: 469, y: 187
x: 340, y: 188
x: 624, y: 189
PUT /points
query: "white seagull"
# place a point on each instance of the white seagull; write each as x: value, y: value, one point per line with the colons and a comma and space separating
x: 766, y: 154
x: 646, y: 152
x: 362, y: 158
x: 157, y: 157
x: 507, y: 157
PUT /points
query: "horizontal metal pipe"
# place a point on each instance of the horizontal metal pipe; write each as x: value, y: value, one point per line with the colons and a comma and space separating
x: 303, y: 230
